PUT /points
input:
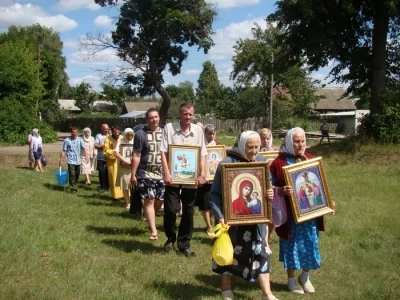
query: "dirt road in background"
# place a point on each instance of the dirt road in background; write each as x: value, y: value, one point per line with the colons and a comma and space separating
x: 51, y: 147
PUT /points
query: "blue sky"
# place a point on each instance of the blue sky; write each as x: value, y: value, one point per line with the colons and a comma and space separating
x: 74, y: 18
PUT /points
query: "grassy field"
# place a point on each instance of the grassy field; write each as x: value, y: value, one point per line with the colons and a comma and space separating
x: 57, y: 245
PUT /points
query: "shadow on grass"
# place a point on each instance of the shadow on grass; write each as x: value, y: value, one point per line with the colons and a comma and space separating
x: 25, y: 168
x: 214, y: 280
x: 133, y: 231
x: 103, y: 203
x: 124, y: 214
x: 99, y: 196
x: 132, y: 245
x: 55, y: 187
x: 182, y: 290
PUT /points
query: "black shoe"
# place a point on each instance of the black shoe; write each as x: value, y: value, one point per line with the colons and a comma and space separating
x: 188, y: 253
x: 168, y: 246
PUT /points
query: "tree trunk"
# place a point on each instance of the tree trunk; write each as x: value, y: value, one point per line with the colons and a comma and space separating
x: 379, y: 37
x: 161, y: 91
x: 165, y: 104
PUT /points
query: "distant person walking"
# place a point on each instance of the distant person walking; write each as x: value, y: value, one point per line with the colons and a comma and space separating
x: 101, y: 160
x: 30, y: 156
x: 324, y: 131
x: 110, y: 145
x: 72, y: 149
x: 36, y: 149
x: 87, y: 167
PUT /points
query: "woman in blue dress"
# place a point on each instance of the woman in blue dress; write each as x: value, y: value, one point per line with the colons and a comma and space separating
x: 298, y: 244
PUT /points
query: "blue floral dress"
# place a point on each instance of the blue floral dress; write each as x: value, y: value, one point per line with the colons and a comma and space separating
x: 302, y: 251
x: 250, y: 257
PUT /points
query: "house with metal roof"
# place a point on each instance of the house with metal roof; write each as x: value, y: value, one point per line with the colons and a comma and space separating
x: 137, y: 106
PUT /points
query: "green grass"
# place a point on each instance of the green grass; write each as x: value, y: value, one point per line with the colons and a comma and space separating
x: 57, y: 245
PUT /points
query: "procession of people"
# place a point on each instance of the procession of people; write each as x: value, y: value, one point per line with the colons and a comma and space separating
x: 139, y: 164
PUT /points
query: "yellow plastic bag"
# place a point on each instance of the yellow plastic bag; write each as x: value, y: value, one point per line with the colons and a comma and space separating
x: 222, y: 251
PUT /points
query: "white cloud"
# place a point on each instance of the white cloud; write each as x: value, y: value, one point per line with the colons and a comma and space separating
x: 103, y: 21
x: 233, y: 3
x: 225, y: 38
x: 70, y: 43
x: 69, y: 5
x: 105, y: 57
x: 28, y: 14
x: 192, y: 72
x: 93, y: 80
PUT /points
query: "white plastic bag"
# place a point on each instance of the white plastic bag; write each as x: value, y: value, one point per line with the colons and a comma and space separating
x: 279, y: 214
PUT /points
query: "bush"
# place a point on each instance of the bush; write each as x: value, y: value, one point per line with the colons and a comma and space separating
x: 383, y: 127
x: 16, y: 122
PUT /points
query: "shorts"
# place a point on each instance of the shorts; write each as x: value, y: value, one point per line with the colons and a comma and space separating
x: 202, y: 200
x: 38, y: 154
x: 325, y: 133
x: 151, y: 188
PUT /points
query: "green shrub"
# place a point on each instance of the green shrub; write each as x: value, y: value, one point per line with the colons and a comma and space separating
x: 16, y: 122
x: 383, y: 127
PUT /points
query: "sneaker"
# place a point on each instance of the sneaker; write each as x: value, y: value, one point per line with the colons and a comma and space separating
x: 227, y: 295
x: 295, y: 288
x: 307, y: 286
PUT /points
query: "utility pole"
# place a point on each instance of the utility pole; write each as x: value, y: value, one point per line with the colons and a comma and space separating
x: 38, y: 75
x: 271, y: 91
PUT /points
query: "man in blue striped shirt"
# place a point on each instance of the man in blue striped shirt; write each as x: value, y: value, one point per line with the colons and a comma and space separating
x: 72, y: 149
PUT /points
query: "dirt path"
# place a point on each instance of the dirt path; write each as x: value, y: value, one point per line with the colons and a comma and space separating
x: 51, y: 147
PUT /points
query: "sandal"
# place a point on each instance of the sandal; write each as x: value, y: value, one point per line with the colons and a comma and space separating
x: 153, y: 237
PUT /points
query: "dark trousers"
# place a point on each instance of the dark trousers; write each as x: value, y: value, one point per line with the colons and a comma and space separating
x: 103, y: 174
x: 136, y: 202
x: 73, y: 174
x: 172, y: 198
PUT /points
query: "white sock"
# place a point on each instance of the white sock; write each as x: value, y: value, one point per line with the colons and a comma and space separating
x: 291, y: 281
x: 304, y: 276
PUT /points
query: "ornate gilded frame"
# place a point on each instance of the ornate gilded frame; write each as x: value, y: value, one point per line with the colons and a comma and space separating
x: 233, y: 176
x: 220, y: 153
x: 184, y: 173
x: 311, y: 197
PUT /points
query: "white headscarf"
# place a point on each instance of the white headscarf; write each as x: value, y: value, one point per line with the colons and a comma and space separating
x: 287, y: 146
x: 124, y: 140
x: 243, y: 139
x: 87, y: 129
x: 35, y: 132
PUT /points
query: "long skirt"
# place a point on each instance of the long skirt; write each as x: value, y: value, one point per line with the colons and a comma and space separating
x: 250, y: 257
x: 124, y: 177
x: 112, y: 168
x: 302, y: 251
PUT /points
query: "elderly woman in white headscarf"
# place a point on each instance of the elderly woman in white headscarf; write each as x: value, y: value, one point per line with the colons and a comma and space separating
x: 125, y: 159
x: 252, y: 253
x: 87, y: 167
x: 298, y: 247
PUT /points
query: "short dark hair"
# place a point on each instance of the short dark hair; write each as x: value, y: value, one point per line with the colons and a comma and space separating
x: 115, y: 127
x: 73, y: 128
x: 187, y: 105
x: 150, y: 110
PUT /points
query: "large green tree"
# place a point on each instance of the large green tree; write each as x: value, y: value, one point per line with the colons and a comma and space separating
x: 261, y: 56
x: 19, y: 74
x: 47, y: 46
x: 208, y: 89
x: 150, y: 36
x: 359, y: 36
